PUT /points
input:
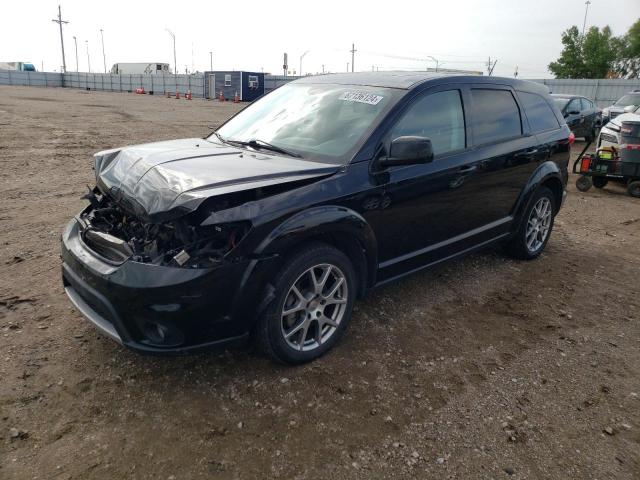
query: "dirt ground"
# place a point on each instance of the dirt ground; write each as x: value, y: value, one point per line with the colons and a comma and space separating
x: 483, y: 368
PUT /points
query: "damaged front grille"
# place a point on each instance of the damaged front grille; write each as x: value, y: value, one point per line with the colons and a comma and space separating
x: 118, y: 236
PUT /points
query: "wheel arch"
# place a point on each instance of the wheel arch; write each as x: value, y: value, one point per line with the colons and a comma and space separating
x: 338, y: 226
x: 546, y: 175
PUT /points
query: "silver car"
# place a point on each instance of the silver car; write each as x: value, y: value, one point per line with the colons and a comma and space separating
x: 610, y: 133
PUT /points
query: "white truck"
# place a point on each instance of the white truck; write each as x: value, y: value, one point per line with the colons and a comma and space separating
x: 149, y: 68
x: 20, y: 66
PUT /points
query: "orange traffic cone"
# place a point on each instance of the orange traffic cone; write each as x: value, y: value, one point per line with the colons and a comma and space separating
x: 221, y: 96
x: 177, y: 95
x: 188, y: 95
x: 236, y: 98
x: 168, y: 94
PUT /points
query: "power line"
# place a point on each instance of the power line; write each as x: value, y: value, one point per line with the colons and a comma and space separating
x: 59, y: 21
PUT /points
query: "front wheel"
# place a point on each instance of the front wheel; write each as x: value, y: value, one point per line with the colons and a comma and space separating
x: 314, y: 296
x: 537, y: 222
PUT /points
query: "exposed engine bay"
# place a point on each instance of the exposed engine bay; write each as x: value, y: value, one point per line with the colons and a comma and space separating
x: 117, y: 236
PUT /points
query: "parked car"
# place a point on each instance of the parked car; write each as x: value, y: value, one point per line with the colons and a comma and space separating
x: 318, y: 192
x: 582, y: 116
x: 610, y: 134
x: 630, y: 99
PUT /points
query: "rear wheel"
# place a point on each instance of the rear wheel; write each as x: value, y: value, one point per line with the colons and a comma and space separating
x: 535, y: 229
x: 314, y: 296
x: 584, y: 183
x: 600, y: 182
x: 634, y: 188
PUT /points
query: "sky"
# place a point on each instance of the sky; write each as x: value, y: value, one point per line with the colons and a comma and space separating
x: 253, y: 35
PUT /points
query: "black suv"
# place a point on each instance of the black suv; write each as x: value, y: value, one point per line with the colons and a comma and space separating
x: 271, y: 227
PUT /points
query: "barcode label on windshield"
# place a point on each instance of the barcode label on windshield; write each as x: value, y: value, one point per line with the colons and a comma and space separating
x: 362, y: 97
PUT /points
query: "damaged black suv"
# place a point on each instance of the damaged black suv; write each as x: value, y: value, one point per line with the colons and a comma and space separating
x: 271, y: 227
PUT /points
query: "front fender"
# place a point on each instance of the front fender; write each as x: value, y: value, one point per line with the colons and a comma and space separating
x: 547, y: 171
x: 323, y: 221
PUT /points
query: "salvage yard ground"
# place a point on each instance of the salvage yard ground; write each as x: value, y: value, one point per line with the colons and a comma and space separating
x: 483, y: 368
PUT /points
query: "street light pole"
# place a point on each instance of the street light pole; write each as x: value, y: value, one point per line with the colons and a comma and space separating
x: 104, y: 58
x: 75, y: 41
x: 88, y: 59
x: 435, y: 60
x: 211, y: 61
x: 175, y: 62
x: 586, y: 10
x: 301, y: 57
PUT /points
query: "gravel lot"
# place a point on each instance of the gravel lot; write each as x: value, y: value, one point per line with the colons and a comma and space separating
x: 483, y: 368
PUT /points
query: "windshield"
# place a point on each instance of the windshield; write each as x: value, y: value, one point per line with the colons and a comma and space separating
x: 631, y: 99
x: 561, y: 102
x: 321, y: 122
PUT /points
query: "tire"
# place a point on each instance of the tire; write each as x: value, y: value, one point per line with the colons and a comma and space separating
x: 584, y: 183
x: 600, y: 182
x: 535, y: 227
x: 634, y: 188
x: 316, y: 322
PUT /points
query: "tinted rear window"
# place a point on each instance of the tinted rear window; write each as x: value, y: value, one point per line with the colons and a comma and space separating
x: 496, y: 116
x: 538, y: 112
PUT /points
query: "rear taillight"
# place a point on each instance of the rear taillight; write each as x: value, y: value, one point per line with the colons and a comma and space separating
x: 572, y: 138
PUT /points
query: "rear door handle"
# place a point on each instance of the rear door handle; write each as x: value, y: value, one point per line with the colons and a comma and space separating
x: 467, y: 168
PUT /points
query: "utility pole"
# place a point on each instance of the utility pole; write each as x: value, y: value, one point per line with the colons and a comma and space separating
x: 586, y: 10
x: 59, y: 21
x: 353, y: 54
x: 104, y: 58
x: 88, y: 59
x: 347, y: 66
x: 322, y: 68
x: 210, y: 60
x: 75, y: 41
x: 491, y: 66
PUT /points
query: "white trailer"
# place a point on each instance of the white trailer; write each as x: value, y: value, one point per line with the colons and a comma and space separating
x: 149, y: 68
x: 20, y: 66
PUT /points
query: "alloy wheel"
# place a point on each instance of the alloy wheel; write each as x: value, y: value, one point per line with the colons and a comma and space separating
x: 314, y: 307
x: 538, y: 224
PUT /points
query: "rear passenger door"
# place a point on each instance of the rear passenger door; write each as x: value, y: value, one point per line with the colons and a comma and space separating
x: 507, y: 152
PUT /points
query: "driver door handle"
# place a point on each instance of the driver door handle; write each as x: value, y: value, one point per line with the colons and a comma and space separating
x: 467, y: 168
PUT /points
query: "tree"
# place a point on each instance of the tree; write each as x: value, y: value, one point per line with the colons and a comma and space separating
x: 627, y: 64
x: 592, y: 55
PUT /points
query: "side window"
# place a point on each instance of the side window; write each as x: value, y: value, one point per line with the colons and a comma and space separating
x: 496, y: 116
x: 538, y: 111
x: 227, y: 80
x: 438, y: 116
x: 586, y: 104
x: 574, y: 106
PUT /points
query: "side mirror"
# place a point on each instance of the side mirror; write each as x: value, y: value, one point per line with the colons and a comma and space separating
x: 408, y: 150
x: 630, y: 108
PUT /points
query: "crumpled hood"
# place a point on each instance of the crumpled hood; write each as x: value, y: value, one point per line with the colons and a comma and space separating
x: 168, y: 179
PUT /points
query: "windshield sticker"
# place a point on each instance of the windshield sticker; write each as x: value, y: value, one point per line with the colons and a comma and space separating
x: 362, y: 97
